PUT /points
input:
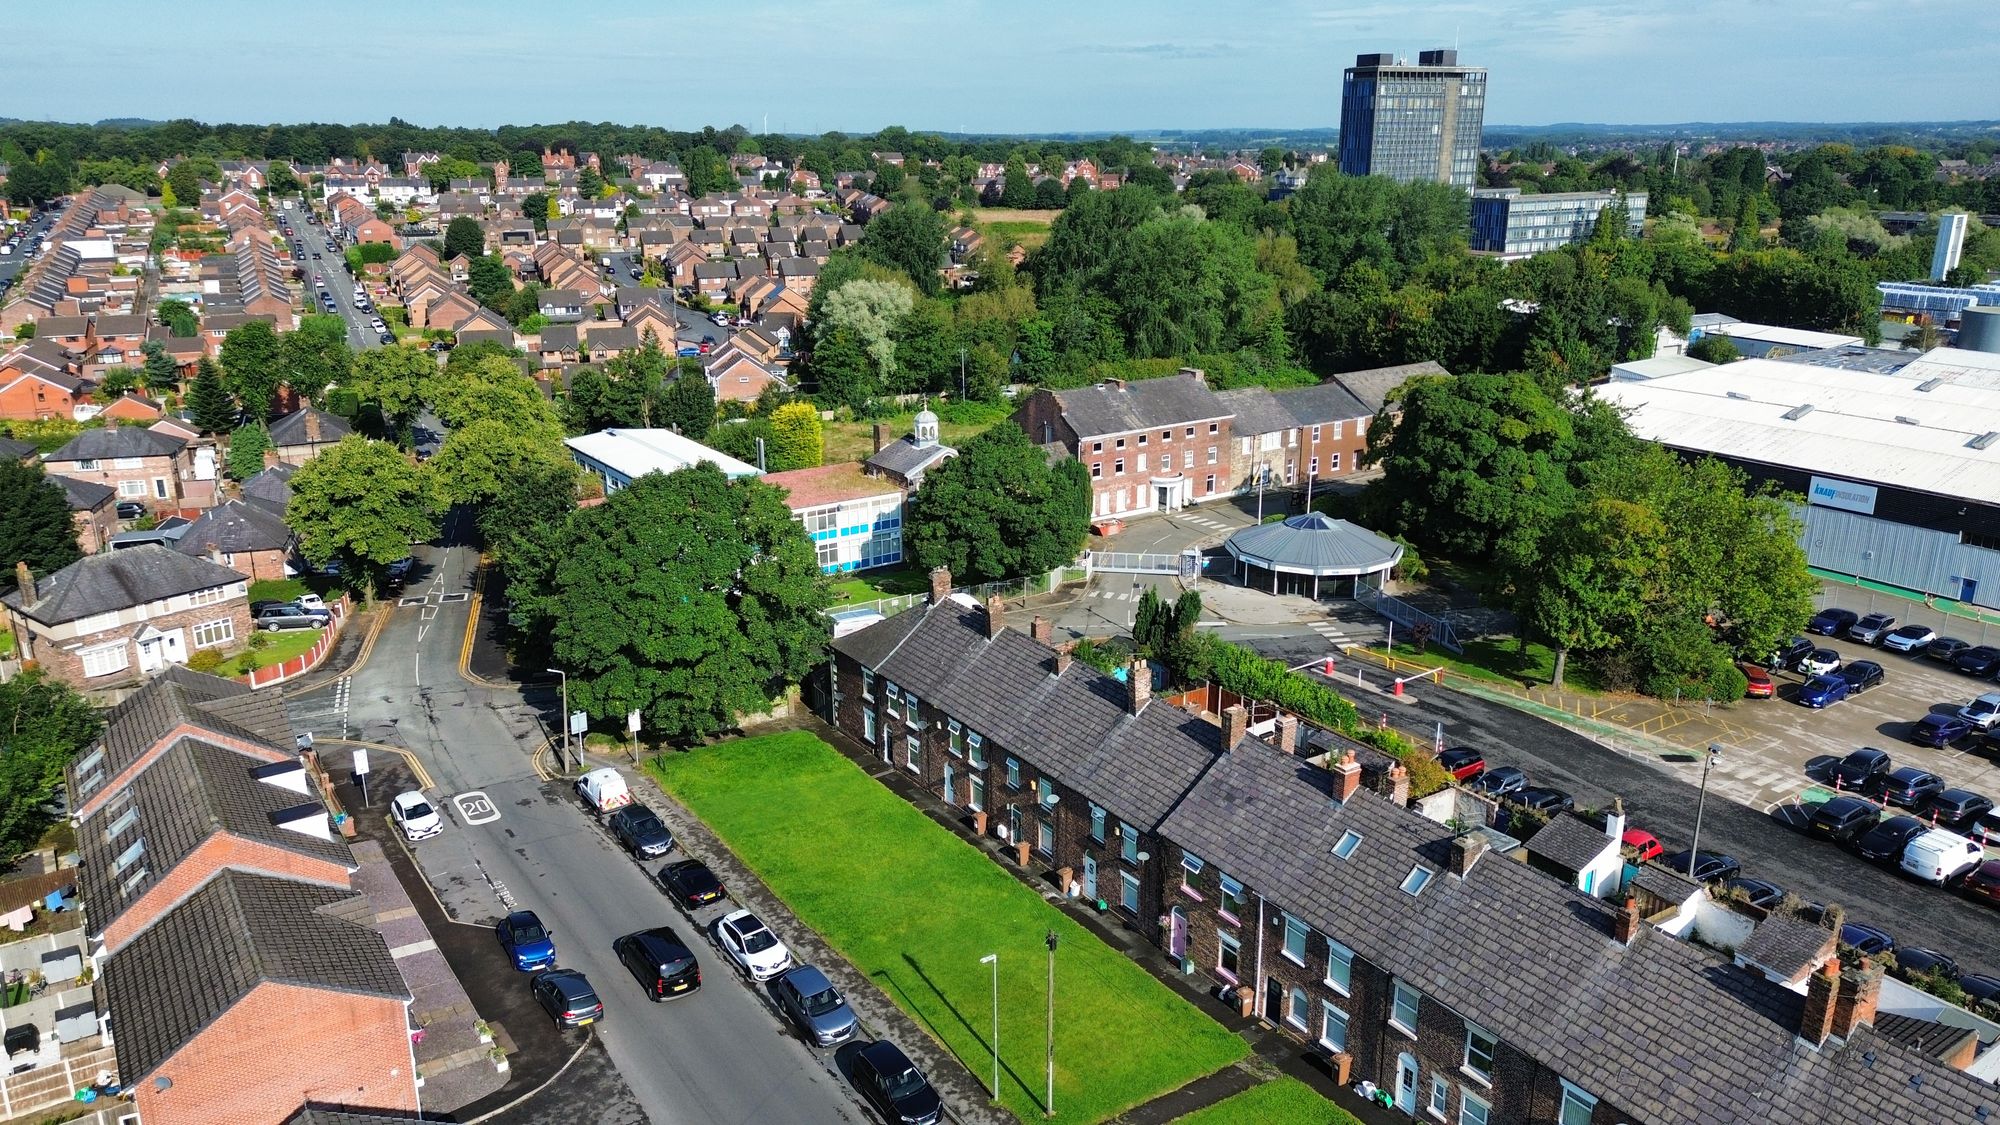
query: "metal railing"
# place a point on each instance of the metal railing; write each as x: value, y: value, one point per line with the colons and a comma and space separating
x: 1407, y: 615
x: 1120, y: 562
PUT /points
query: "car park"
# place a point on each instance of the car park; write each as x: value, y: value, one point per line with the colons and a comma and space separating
x: 1884, y: 843
x: 1909, y: 638
x: 1857, y: 772
x: 1982, y: 712
x: 1645, y: 846
x: 1462, y: 763
x: 1841, y: 819
x: 1979, y: 660
x: 1908, y: 787
x: 1871, y: 629
x: 566, y: 995
x: 1941, y: 855
x: 1542, y: 799
x: 1757, y: 682
x: 1861, y: 675
x: 1939, y: 730
x: 417, y: 817
x: 815, y: 1006
x: 891, y: 1083
x: 1959, y: 809
x: 641, y: 831
x: 751, y: 944
x: 1705, y: 867
x: 661, y: 962
x: 1832, y: 622
x: 690, y: 883
x: 1500, y: 781
x: 1983, y: 882
x: 1868, y: 939
x: 1913, y: 961
x: 1759, y: 893
x: 528, y: 944
x: 1820, y: 662
x: 1823, y: 691
x: 1945, y: 650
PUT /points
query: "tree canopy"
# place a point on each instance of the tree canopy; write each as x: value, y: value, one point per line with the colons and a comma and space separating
x: 910, y: 237
x: 35, y: 522
x: 253, y: 366
x: 44, y: 724
x: 998, y: 510
x: 362, y: 503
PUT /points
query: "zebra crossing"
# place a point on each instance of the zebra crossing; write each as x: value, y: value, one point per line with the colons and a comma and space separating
x: 1205, y: 521
x: 1330, y: 630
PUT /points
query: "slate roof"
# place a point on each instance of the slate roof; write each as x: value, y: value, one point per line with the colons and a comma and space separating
x: 1257, y: 411
x: 1374, y: 385
x: 321, y: 1115
x: 235, y: 526
x: 291, y: 429
x: 559, y: 338
x: 272, y: 487
x: 906, y: 460
x: 1139, y: 405
x: 1934, y: 1040
x: 84, y: 495
x: 109, y: 442
x: 188, y: 969
x: 120, y: 580
x: 11, y: 450
x: 1328, y: 402
x: 1569, y: 841
x: 1665, y: 883
x: 1786, y: 947
x: 179, y: 697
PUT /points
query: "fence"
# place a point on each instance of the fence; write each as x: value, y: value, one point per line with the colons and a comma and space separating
x: 1407, y: 615
x: 1117, y: 562
x: 1010, y: 588
x: 47, y: 1087
x: 309, y: 659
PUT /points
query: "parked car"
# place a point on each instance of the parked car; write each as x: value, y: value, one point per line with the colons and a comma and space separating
x: 642, y: 832
x: 603, y: 790
x: 1908, y: 787
x: 387, y: 337
x: 1983, y: 882
x: 1945, y: 650
x: 287, y: 615
x: 1832, y: 622
x: 1871, y: 629
x: 1786, y: 657
x: 399, y: 571
x: 1542, y: 799
x: 814, y: 1006
x: 690, y: 883
x: 1868, y: 939
x: 566, y: 995
x: 1841, y: 819
x: 1861, y: 675
x: 415, y: 816
x: 1940, y: 856
x: 1757, y: 892
x: 1909, y: 638
x: 1644, y: 844
x: 1913, y: 961
x: 1939, y: 730
x: 130, y: 510
x: 1959, y: 809
x: 1500, y: 781
x: 1885, y: 842
x: 1857, y: 772
x: 890, y: 1082
x: 662, y: 963
x: 1758, y: 683
x: 1705, y: 867
x: 1823, y: 691
x: 1463, y: 763
x: 529, y: 944
x: 1820, y: 662
x: 1980, y: 660
x: 752, y: 945
x: 1981, y: 988
x: 1982, y: 712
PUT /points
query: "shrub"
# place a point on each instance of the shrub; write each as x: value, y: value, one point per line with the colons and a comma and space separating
x: 205, y: 660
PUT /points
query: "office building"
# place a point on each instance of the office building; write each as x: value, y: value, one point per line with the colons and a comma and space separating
x: 1412, y: 123
x: 1950, y: 243
x: 1513, y: 225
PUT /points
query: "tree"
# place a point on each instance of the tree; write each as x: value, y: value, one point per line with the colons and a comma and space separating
x: 253, y: 365
x: 535, y: 207
x: 909, y: 237
x: 493, y: 388
x: 491, y: 283
x: 247, y: 447
x: 1746, y: 235
x: 316, y: 355
x: 589, y: 182
x: 178, y: 316
x: 44, y: 725
x: 160, y: 373
x: 688, y: 405
x: 209, y: 402
x: 362, y: 502
x: 998, y: 510
x: 795, y: 437
x: 35, y: 522
x: 1594, y: 575
x: 1341, y: 221
x: 184, y: 180
x: 116, y: 381
x: 1016, y: 189
x: 1714, y: 348
x: 463, y: 236
x: 282, y: 180
x: 393, y: 379
x: 868, y: 311
x: 481, y: 462
x: 688, y: 597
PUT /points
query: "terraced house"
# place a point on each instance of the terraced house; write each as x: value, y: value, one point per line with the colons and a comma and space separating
x: 1473, y: 988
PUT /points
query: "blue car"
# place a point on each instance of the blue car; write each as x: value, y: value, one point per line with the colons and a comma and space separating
x: 528, y: 943
x: 687, y: 352
x: 1821, y: 691
x: 1939, y: 730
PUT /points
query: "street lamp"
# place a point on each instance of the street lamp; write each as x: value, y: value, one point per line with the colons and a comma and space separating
x: 993, y: 959
x: 1714, y: 758
x: 1049, y: 1102
x: 563, y: 721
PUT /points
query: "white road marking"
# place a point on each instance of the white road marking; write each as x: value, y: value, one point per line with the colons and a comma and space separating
x: 476, y: 808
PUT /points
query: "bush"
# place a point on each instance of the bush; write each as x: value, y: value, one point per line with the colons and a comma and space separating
x: 205, y: 660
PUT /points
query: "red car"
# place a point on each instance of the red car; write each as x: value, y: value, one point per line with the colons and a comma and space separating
x: 1463, y: 763
x: 1984, y: 882
x: 1761, y: 685
x: 1644, y: 842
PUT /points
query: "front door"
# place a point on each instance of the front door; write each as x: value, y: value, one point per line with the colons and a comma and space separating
x: 1166, y: 498
x: 173, y: 647
x: 1406, y: 1083
x: 1177, y: 930
x: 950, y: 776
x: 1967, y: 587
x: 1090, y: 878
x: 1274, y: 999
x: 150, y: 659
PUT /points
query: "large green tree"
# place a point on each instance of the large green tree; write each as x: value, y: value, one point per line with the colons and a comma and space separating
x: 247, y: 447
x: 44, y: 725
x: 909, y: 237
x: 463, y: 236
x: 1344, y: 221
x: 209, y: 402
x: 160, y: 373
x: 362, y: 503
x: 253, y: 366
x: 689, y: 597
x: 796, y: 441
x: 393, y: 379
x: 1592, y: 577
x: 35, y: 522
x: 998, y: 510
x: 688, y: 405
x: 316, y: 355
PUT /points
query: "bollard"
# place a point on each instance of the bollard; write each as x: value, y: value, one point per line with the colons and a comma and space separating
x: 1398, y: 689
x: 1328, y: 671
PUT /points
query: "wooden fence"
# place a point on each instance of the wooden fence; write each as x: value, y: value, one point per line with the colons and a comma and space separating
x: 309, y: 659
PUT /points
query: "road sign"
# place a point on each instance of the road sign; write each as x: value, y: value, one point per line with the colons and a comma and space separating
x: 632, y: 721
x: 579, y: 722
x: 476, y: 808
x: 360, y: 762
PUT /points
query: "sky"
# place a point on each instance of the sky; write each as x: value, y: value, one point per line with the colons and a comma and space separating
x: 1024, y: 66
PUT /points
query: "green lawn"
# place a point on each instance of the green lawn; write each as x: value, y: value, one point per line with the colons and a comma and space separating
x: 874, y: 585
x: 1498, y: 660
x: 1283, y: 1101
x: 916, y: 908
x: 284, y: 644
x: 276, y: 589
x: 854, y: 441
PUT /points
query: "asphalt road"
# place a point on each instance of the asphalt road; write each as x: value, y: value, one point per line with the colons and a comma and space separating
x: 1662, y: 800
x: 331, y: 265
x: 15, y: 264
x: 717, y: 1056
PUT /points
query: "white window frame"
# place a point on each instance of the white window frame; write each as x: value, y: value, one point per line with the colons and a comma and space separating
x: 1098, y: 819
x: 99, y: 659
x: 1333, y: 463
x: 1128, y: 843
x: 1575, y: 1097
x: 1341, y: 957
x: 1226, y: 940
x: 214, y: 634
x: 913, y: 753
x: 1128, y: 892
x: 1295, y: 928
x: 868, y: 683
x: 131, y: 488
x: 1191, y: 866
x: 1298, y: 1009
x: 1329, y: 1015
x: 1416, y: 1001
x: 975, y: 749
x: 1473, y: 1110
x: 1466, y: 1065
x: 1440, y: 1097
x: 955, y: 741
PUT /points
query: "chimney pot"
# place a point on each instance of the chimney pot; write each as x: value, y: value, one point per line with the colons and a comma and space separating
x: 1288, y: 733
x: 25, y: 579
x: 940, y: 584
x: 1855, y: 1000
x: 1041, y: 630
x: 1465, y: 851
x: 1625, y: 927
x: 1399, y: 785
x: 996, y: 612
x: 1139, y: 685
x: 1816, y: 1018
x: 1235, y: 724
x: 312, y: 426
x: 1346, y: 776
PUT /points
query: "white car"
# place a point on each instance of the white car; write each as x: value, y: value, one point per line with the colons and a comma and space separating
x: 1982, y: 712
x: 1820, y: 662
x: 415, y: 816
x: 311, y: 602
x: 752, y: 945
x: 1909, y: 638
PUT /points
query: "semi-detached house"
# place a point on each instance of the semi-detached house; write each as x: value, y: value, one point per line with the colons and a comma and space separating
x: 1474, y: 989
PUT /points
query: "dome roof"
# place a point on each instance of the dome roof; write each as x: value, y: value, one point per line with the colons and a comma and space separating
x: 1314, y: 543
x: 926, y: 417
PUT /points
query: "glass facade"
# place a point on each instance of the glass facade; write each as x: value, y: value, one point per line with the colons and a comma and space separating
x: 1504, y: 221
x: 856, y: 534
x: 1413, y: 123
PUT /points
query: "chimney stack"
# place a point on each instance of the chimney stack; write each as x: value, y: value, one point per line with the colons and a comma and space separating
x: 940, y: 584
x: 1625, y: 927
x: 1346, y: 776
x: 1399, y: 785
x: 1854, y: 1002
x: 1614, y: 821
x: 996, y: 611
x: 1195, y: 373
x: 881, y: 436
x: 1139, y: 682
x: 1235, y: 724
x: 1816, y: 1018
x: 312, y: 426
x: 25, y: 579
x: 270, y: 458
x: 1465, y: 851
x: 1041, y: 630
x: 1288, y: 733
x: 1064, y: 654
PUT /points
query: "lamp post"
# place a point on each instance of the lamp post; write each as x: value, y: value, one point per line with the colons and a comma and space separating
x: 1694, y: 853
x: 563, y: 722
x: 1049, y: 1101
x: 993, y: 959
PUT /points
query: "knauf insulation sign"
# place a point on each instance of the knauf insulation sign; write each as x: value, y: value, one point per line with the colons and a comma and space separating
x: 1845, y: 495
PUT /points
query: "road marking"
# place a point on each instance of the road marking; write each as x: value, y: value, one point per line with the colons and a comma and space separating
x: 405, y: 603
x: 476, y: 808
x: 454, y: 597
x: 427, y: 613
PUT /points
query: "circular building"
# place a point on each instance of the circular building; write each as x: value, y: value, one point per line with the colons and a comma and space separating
x: 1300, y: 551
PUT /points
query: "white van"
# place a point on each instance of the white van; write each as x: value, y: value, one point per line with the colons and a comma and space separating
x: 1939, y: 856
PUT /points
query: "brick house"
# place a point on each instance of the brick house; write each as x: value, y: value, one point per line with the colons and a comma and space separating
x: 141, y: 464
x: 28, y: 393
x: 738, y: 376
x: 1151, y: 445
x: 94, y: 506
x: 1288, y: 438
x: 298, y: 437
x: 105, y: 621
x: 248, y: 538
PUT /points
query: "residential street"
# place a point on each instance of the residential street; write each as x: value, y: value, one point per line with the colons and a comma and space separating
x: 332, y: 265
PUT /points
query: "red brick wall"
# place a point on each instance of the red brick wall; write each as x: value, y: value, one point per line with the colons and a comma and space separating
x: 95, y: 528
x: 28, y: 399
x: 279, y: 1047
x: 148, y: 470
x: 216, y: 853
x: 67, y: 665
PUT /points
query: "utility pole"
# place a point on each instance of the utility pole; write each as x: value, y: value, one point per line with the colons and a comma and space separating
x: 993, y: 959
x: 1049, y: 1101
x: 961, y: 374
x: 565, y: 706
x: 1694, y: 852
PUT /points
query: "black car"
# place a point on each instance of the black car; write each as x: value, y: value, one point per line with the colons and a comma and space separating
x: 130, y: 509
x: 1946, y: 649
x: 1857, y: 772
x: 894, y: 1086
x: 1979, y: 660
x: 1832, y: 622
x: 1861, y: 675
x: 641, y: 831
x: 1841, y: 819
x: 1980, y: 988
x: 566, y: 995
x: 690, y: 883
x: 1543, y: 800
x: 1500, y: 781
x: 1757, y: 892
x: 663, y: 964
x: 1959, y: 809
x: 1885, y: 842
x: 1915, y: 961
x: 1787, y: 656
x: 1866, y: 938
x: 1908, y: 787
x: 1704, y: 867
x: 387, y: 337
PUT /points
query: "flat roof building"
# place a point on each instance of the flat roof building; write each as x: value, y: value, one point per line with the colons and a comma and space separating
x: 619, y: 457
x: 855, y: 520
x: 1513, y: 225
x: 1766, y: 341
x: 1412, y: 123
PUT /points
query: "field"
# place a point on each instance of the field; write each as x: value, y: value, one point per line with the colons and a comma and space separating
x: 1027, y: 228
x: 854, y: 441
x: 915, y: 908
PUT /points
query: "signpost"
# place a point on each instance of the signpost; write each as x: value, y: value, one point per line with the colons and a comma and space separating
x: 361, y: 772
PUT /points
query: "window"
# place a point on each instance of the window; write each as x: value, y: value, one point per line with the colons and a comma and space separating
x: 1013, y: 773
x: 893, y: 707
x: 1045, y: 837
x: 1128, y: 843
x: 129, y: 856
x: 105, y: 660
x: 209, y: 634
x: 1440, y: 1095
x: 160, y: 488
x: 1472, y: 1111
x: 1120, y: 444
x: 1295, y: 939
x: 1208, y: 484
x: 1349, y: 840
x: 867, y: 683
x: 1118, y: 467
x: 1191, y: 866
x: 1214, y: 427
x: 1128, y: 891
x: 1313, y: 469
x: 1097, y: 447
x: 976, y: 750
x: 1187, y: 460
x: 1316, y: 430
x: 1479, y: 1054
x: 955, y: 742
x: 1332, y: 1027
x: 1097, y: 823
x: 1211, y: 455
x: 1339, y: 966
x: 1166, y: 435
x: 1096, y: 471
x: 1190, y: 431
x: 1142, y: 441
x: 1415, y: 882
x: 1298, y: 1010
x: 1403, y: 1015
x: 125, y: 820
x: 1333, y: 463
x: 1235, y: 903
x: 1045, y: 793
x: 1142, y: 463
x: 131, y: 488
x: 87, y: 465
x: 911, y: 708
x: 1228, y: 955
x: 1577, y: 1106
x: 913, y: 753
x: 1243, y: 447
x: 976, y: 793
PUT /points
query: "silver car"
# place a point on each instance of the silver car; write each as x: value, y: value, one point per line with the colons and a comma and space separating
x: 812, y: 1003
